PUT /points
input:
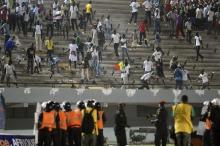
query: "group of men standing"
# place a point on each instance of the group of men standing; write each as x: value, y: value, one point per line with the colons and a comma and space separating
x: 82, y: 126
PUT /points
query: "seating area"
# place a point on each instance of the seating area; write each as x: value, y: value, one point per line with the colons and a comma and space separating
x: 119, y: 11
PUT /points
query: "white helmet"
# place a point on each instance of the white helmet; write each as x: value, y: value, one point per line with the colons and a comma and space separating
x: 216, y: 101
x: 44, y: 104
x: 206, y: 102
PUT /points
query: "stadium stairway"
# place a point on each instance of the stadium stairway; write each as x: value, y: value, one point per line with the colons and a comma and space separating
x: 120, y: 14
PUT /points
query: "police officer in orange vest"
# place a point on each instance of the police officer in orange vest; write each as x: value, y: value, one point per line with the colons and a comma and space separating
x: 61, y: 126
x: 100, y: 122
x: 46, y: 124
x: 74, y: 123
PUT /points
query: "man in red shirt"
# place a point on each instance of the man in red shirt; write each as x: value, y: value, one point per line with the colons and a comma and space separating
x: 143, y: 27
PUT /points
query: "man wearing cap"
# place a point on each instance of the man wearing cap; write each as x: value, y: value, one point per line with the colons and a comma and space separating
x: 161, y: 125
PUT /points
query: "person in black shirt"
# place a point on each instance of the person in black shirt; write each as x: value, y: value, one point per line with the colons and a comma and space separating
x: 30, y: 58
x: 120, y: 124
x: 215, y: 119
x: 161, y: 125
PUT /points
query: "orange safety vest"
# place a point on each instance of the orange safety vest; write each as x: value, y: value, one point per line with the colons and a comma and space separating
x: 48, y: 120
x: 208, y: 124
x: 63, y: 120
x: 100, y: 120
x: 74, y: 118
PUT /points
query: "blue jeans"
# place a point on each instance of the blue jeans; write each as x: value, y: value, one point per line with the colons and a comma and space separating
x: 96, y: 67
x: 156, y: 25
x: 125, y: 51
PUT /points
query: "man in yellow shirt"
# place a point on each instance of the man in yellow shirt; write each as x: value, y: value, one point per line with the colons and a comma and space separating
x: 183, y: 113
x: 49, y: 46
x: 89, y: 12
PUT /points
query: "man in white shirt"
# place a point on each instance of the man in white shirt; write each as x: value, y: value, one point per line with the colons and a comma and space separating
x: 147, y: 7
x: 115, y: 39
x: 145, y: 79
x: 10, y: 73
x: 204, y: 77
x: 211, y: 15
x: 134, y: 11
x: 157, y: 20
x: 157, y: 54
x: 73, y: 16
x: 198, y: 43
x: 188, y: 26
x: 107, y: 27
x: 186, y: 78
x: 38, y: 40
x: 124, y: 48
x: 125, y: 72
x: 72, y: 53
x: 199, y: 17
x: 148, y: 65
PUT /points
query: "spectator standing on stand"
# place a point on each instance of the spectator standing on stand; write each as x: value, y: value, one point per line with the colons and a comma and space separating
x: 198, y: 44
x: 148, y: 8
x: 6, y: 29
x: 108, y: 27
x: 148, y: 65
x: 178, y: 76
x: 188, y: 26
x: 205, y: 80
x: 125, y: 73
x: 157, y: 20
x: 10, y: 45
x: 73, y: 16
x: 10, y: 73
x: 49, y: 45
x: 101, y: 42
x: 49, y: 23
x: 143, y: 27
x: 211, y: 15
x: 116, y: 39
x: 30, y: 55
x: 72, y: 53
x: 186, y: 78
x: 179, y: 25
x: 134, y: 11
x: 89, y: 12
x: 65, y: 25
x: 38, y: 39
x: 124, y: 48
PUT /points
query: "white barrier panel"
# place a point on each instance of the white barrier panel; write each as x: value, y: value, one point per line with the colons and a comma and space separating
x: 36, y: 94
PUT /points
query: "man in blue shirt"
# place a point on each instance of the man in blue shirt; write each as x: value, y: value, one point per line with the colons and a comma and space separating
x: 9, y: 46
x: 178, y: 76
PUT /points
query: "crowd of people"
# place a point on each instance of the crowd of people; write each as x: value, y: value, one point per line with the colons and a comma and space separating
x: 44, y: 24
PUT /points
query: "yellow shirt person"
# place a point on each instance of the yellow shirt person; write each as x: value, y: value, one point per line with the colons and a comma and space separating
x: 49, y: 44
x: 89, y: 8
x: 183, y: 113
